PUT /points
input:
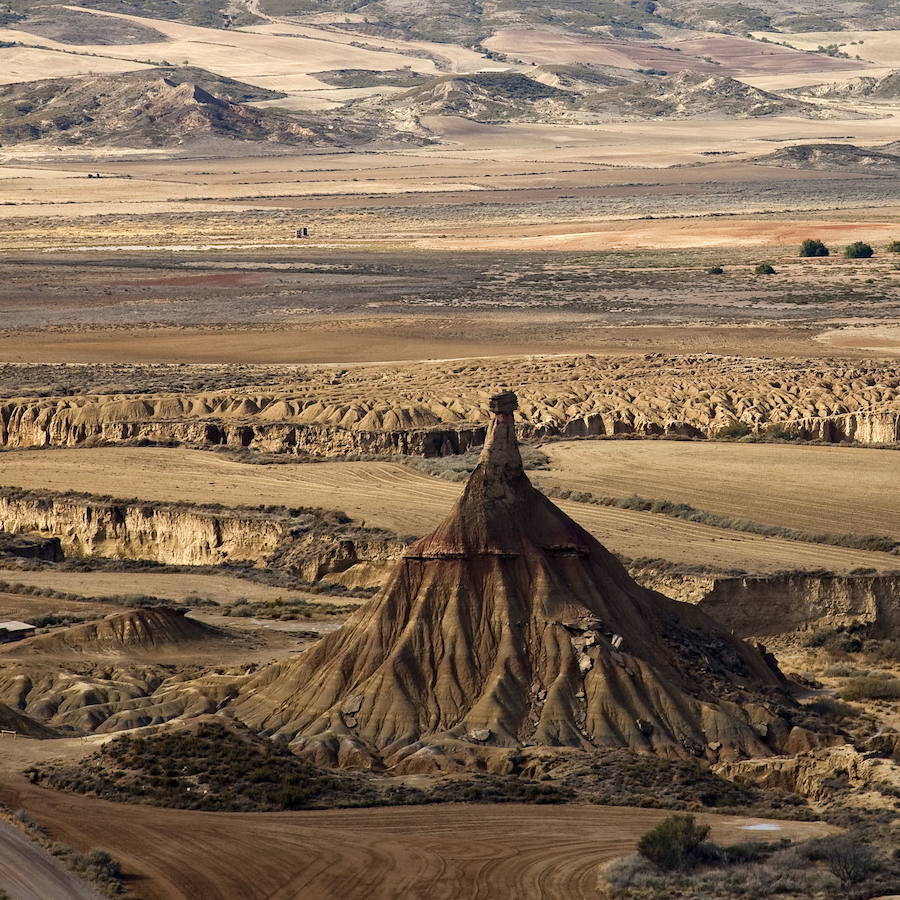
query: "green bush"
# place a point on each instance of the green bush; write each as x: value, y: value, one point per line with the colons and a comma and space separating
x: 764, y: 269
x: 813, y: 247
x: 734, y: 429
x: 858, y: 250
x: 778, y: 431
x: 715, y: 270
x: 893, y: 247
x: 673, y: 843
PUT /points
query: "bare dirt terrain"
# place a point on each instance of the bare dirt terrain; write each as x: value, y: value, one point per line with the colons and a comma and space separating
x: 502, y: 852
x: 32, y: 874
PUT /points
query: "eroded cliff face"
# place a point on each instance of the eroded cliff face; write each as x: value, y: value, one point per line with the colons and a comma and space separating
x: 310, y: 544
x: 775, y: 604
x: 373, y: 411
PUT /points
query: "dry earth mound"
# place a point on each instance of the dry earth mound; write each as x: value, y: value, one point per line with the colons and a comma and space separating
x: 13, y: 720
x: 887, y: 87
x: 484, y: 97
x: 832, y: 157
x: 135, y: 631
x: 511, y: 626
x: 151, y: 108
x: 690, y: 94
x: 72, y: 26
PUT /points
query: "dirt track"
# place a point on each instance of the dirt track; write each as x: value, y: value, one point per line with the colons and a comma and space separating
x: 435, y: 852
x: 28, y: 873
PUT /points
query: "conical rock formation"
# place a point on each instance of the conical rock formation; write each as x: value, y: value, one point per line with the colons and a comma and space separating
x: 510, y: 626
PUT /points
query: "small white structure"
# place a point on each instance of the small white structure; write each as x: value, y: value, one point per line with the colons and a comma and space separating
x: 15, y: 631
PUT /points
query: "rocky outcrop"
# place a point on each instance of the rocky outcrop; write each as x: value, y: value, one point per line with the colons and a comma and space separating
x: 765, y: 605
x: 335, y: 413
x: 510, y: 626
x: 107, y: 698
x: 822, y: 775
x: 311, y: 543
x: 30, y: 546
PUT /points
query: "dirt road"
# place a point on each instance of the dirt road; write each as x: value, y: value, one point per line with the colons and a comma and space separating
x: 28, y: 873
x: 440, y: 852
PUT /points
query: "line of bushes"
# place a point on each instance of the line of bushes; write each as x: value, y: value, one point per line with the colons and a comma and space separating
x: 703, y: 517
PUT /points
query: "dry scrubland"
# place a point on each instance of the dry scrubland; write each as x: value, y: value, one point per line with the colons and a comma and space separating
x: 166, y: 309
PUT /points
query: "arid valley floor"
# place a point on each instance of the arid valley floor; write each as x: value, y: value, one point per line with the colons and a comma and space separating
x: 303, y: 624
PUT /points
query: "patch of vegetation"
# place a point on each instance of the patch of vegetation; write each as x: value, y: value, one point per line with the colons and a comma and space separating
x: 842, y: 638
x: 216, y: 768
x: 362, y: 78
x: 54, y: 620
x: 733, y: 430
x: 833, y: 50
x: 779, y: 431
x: 843, y: 867
x: 893, y: 247
x: 95, y: 866
x: 764, y: 269
x: 205, y: 13
x: 871, y: 687
x: 674, y: 843
x: 622, y: 778
x: 813, y: 247
x: 715, y: 270
x: 859, y: 250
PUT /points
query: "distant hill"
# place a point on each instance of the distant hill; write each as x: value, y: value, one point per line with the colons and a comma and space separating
x: 866, y: 87
x: 487, y: 96
x: 690, y: 94
x: 833, y: 157
x: 70, y: 26
x: 587, y: 97
x: 160, y: 107
x: 472, y: 21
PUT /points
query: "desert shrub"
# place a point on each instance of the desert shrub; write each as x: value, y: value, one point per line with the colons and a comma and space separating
x: 734, y: 429
x: 781, y: 432
x: 813, y: 247
x: 840, y: 639
x: 673, y: 843
x: 871, y: 687
x: 846, y: 856
x: 764, y: 269
x: 831, y: 708
x: 715, y: 270
x: 858, y: 250
x: 893, y: 247
x: 50, y: 620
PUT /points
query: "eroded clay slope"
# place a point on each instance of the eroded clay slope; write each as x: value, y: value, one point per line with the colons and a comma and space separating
x: 511, y: 626
x: 324, y: 411
x: 124, y: 633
